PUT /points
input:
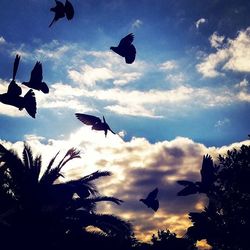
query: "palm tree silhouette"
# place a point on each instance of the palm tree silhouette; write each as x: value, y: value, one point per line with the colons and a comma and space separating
x: 35, y: 206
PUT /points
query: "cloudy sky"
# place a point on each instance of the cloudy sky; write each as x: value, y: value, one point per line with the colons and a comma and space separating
x: 187, y: 93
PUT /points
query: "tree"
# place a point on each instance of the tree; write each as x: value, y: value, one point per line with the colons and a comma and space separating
x: 167, y: 240
x: 225, y: 222
x: 38, y: 212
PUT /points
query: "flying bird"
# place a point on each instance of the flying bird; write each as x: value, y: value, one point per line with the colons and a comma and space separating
x: 190, y: 188
x: 61, y: 10
x: 13, y: 96
x: 36, y: 78
x: 207, y: 179
x: 126, y: 48
x: 151, y: 200
x: 95, y: 122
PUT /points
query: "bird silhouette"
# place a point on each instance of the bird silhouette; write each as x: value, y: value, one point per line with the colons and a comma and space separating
x: 126, y: 48
x: 13, y: 96
x: 207, y: 178
x: 61, y: 10
x: 151, y: 200
x: 190, y: 187
x: 95, y: 122
x: 36, y: 78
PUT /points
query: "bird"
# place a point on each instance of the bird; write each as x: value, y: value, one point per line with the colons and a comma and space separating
x: 207, y: 174
x: 95, y: 122
x: 151, y: 201
x: 61, y: 10
x: 190, y: 187
x: 13, y: 96
x: 126, y: 48
x: 207, y: 179
x: 36, y: 78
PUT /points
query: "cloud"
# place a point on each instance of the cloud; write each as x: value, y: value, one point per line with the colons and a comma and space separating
x: 215, y: 40
x: 137, y: 24
x: 138, y: 166
x: 199, y: 22
x: 232, y: 55
x: 243, y: 84
x: 2, y: 40
x: 105, y: 65
x: 222, y: 123
x: 89, y: 75
x: 168, y: 65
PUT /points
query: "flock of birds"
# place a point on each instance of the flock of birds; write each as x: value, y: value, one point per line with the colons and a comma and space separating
x: 13, y: 96
x: 125, y: 49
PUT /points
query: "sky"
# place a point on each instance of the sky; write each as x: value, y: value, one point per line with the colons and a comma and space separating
x: 186, y: 94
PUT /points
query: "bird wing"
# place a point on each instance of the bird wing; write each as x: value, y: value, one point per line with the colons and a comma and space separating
x: 207, y: 170
x: 184, y: 182
x: 189, y: 189
x: 69, y: 10
x: 130, y: 54
x: 155, y: 205
x: 152, y: 195
x: 127, y: 40
x: 37, y: 73
x: 88, y: 119
x: 15, y: 66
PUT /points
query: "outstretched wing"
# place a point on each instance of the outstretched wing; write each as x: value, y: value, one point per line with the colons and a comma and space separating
x: 207, y: 170
x: 88, y: 119
x: 185, y: 183
x: 69, y: 10
x: 37, y: 73
x: 127, y: 40
x: 15, y: 66
x: 152, y: 195
x: 189, y: 189
x: 155, y: 205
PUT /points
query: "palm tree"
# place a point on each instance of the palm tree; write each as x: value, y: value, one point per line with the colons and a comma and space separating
x: 39, y: 211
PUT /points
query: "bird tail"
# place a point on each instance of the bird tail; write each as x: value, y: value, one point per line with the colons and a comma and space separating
x: 15, y: 67
x: 30, y: 103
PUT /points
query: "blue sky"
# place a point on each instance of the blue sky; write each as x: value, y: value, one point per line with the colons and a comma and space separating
x: 190, y: 79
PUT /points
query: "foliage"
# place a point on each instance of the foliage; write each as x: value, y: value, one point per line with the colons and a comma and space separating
x: 38, y: 212
x: 225, y: 222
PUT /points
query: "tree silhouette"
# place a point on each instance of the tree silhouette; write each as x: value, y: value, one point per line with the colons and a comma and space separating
x: 38, y: 212
x: 167, y: 240
x: 225, y: 222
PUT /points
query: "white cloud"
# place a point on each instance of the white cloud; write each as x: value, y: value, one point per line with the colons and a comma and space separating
x: 233, y: 55
x: 138, y: 166
x: 215, y: 40
x: 2, y: 40
x: 137, y: 24
x: 222, y: 123
x: 168, y: 65
x: 176, y: 79
x: 106, y: 65
x: 243, y: 84
x: 88, y: 76
x: 199, y: 22
x: 208, y: 68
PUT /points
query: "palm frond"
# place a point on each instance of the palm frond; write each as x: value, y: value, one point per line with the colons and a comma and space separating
x: 95, y: 175
x: 71, y: 154
x: 105, y: 198
x: 27, y: 156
